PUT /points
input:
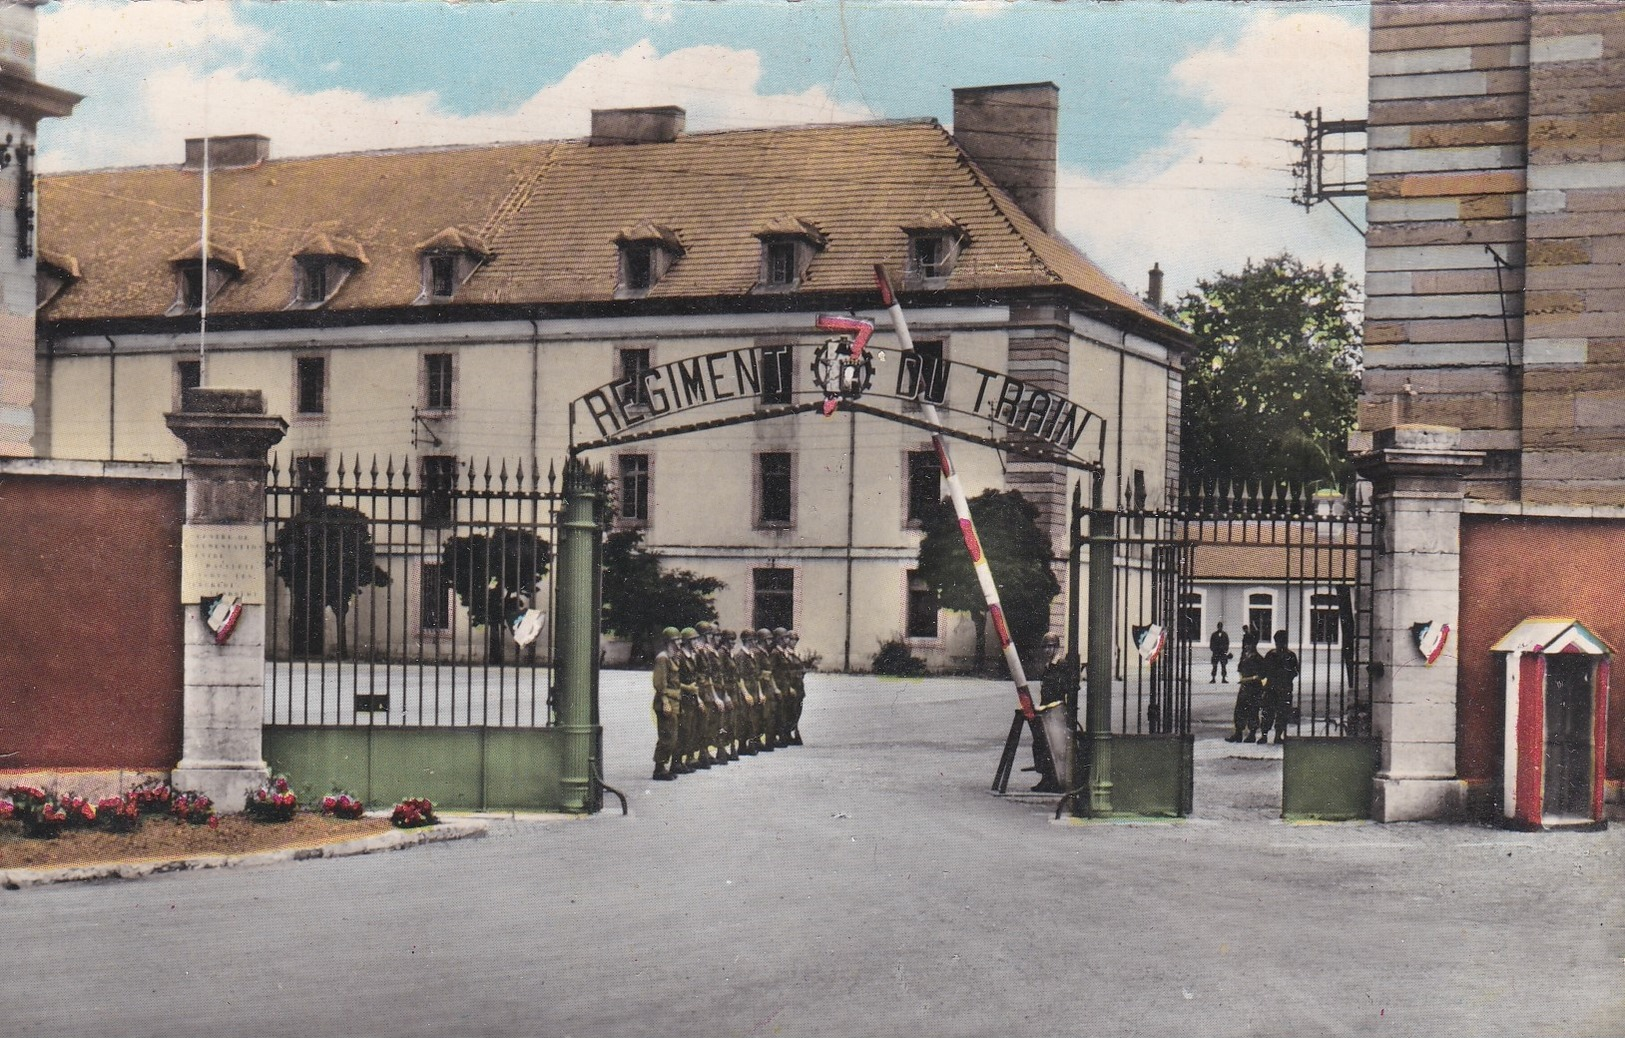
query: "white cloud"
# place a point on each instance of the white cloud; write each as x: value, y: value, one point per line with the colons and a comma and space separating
x: 717, y: 86
x: 1218, y: 193
x: 90, y: 30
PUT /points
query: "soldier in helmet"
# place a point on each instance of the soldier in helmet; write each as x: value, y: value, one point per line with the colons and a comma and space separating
x: 750, y: 689
x: 667, y: 706
x: 712, y: 685
x: 785, y: 682
x: 798, y: 684
x: 769, y: 711
x: 692, y: 718
x: 728, y: 666
x: 705, y: 733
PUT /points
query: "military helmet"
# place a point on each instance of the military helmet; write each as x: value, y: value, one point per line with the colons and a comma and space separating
x: 671, y: 633
x: 689, y: 632
x: 792, y: 635
x: 706, y: 626
x: 1052, y: 639
x: 779, y: 632
x: 764, y: 634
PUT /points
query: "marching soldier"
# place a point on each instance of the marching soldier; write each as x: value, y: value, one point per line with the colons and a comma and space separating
x: 667, y: 707
x: 691, y: 726
x: 770, y: 689
x: 733, y: 693
x: 750, y: 690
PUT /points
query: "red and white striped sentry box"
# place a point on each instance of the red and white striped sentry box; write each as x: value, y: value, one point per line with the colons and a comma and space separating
x: 1556, y: 724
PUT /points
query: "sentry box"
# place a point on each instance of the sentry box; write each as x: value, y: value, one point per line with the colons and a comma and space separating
x: 1556, y: 724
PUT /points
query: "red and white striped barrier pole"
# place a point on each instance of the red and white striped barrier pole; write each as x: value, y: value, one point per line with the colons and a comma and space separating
x: 984, y: 576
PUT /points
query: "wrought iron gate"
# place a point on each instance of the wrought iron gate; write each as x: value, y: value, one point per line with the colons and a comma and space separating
x: 392, y: 664
x: 1284, y: 557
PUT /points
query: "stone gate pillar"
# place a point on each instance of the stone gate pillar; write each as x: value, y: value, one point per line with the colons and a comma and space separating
x: 1416, y: 472
x: 227, y: 434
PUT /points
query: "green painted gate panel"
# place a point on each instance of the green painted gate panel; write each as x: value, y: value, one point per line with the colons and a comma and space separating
x: 457, y: 768
x: 1152, y: 775
x: 524, y: 769
x: 1327, y: 778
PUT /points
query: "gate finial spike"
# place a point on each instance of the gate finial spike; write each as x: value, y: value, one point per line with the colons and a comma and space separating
x: 389, y: 470
x: 502, y: 477
x: 374, y: 471
x: 487, y: 473
x: 552, y: 476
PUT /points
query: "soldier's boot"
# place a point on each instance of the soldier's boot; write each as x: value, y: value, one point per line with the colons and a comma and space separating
x: 703, y: 760
x: 663, y: 774
x: 748, y: 747
x: 795, y: 737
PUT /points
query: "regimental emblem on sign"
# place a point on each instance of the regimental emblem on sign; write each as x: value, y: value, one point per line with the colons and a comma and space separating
x: 1431, y: 639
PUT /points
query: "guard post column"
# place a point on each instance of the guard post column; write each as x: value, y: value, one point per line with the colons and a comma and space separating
x: 1416, y: 473
x: 227, y: 434
x: 578, y: 633
x: 1098, y: 683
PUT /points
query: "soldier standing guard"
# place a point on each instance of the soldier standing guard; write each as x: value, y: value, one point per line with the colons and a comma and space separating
x: 690, y: 718
x: 798, y: 681
x: 732, y: 693
x: 785, y: 681
x: 710, y: 709
x: 765, y: 662
x: 748, y: 686
x: 667, y: 707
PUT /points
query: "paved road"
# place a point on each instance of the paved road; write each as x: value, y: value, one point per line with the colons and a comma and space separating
x: 865, y: 884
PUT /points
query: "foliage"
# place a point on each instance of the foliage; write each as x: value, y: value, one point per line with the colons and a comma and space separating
x: 413, y: 813
x: 118, y: 814
x: 641, y: 598
x: 1271, y: 392
x: 193, y: 808
x: 1018, y: 551
x: 325, y: 556
x: 895, y: 661
x: 152, y: 797
x: 495, y: 575
x: 272, y: 802
x: 39, y: 811
x: 343, y: 805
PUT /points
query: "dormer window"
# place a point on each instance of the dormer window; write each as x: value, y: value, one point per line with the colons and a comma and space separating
x: 53, y: 273
x: 449, y: 259
x: 197, y: 281
x: 321, y: 266
x: 934, y: 244
x: 647, y: 251
x: 788, y: 247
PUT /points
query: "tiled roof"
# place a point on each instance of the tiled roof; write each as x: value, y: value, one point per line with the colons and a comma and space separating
x: 550, y: 214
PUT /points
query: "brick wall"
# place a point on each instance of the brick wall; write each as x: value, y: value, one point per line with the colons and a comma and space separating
x: 1501, y: 124
x: 91, y: 662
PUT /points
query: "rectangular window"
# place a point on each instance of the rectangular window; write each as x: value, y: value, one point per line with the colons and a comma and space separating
x: 773, y: 599
x: 312, y: 279
x: 927, y: 256
x: 1325, y: 619
x: 634, y: 488
x: 774, y: 500
x: 311, y: 375
x: 443, y: 276
x: 933, y: 376
x: 924, y: 484
x: 635, y: 365
x: 779, y: 257
x: 438, y: 482
x: 433, y: 614
x: 188, y: 375
x: 638, y: 266
x: 310, y: 471
x: 437, y: 381
x: 192, y: 286
x: 1190, y: 617
x: 921, y: 621
x: 776, y: 374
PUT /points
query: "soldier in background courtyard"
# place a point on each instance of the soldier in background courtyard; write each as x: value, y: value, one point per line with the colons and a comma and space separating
x: 688, y: 687
x: 770, y: 682
x: 798, y: 681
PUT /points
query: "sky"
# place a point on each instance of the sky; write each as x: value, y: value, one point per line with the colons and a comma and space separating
x: 1176, y: 115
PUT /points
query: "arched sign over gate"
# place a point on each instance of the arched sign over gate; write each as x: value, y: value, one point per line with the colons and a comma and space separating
x: 754, y: 383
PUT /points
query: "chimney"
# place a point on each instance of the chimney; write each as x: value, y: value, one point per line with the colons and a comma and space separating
x: 239, y: 151
x: 1011, y: 132
x: 636, y: 125
x: 1153, y: 290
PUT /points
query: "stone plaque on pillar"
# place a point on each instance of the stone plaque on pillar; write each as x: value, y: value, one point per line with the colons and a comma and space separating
x: 227, y: 434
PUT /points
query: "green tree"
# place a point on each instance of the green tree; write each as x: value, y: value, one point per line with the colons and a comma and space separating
x: 494, y: 575
x: 325, y: 556
x: 1018, y: 552
x: 641, y: 597
x: 1270, y: 394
